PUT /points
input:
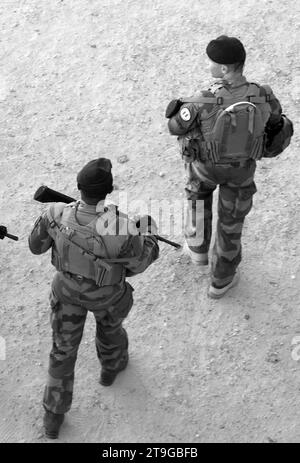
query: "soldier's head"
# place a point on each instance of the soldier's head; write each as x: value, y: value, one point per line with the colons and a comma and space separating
x: 95, y: 180
x: 226, y: 55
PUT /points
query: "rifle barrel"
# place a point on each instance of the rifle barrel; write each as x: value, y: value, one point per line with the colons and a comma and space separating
x: 45, y: 194
x: 12, y: 237
x: 176, y: 245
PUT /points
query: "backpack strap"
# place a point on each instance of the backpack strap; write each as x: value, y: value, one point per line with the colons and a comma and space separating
x: 267, y: 91
x: 253, y: 96
x: 204, y: 99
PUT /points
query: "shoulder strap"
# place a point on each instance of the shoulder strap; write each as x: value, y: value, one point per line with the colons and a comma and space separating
x: 253, y: 96
x: 203, y: 99
x: 267, y: 91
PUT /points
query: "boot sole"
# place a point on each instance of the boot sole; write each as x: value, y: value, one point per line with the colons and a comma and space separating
x: 51, y: 436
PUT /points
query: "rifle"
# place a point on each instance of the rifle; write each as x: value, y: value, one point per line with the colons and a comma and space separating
x: 3, y: 234
x: 45, y: 194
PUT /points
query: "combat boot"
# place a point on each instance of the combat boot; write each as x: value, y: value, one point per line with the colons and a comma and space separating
x: 107, y: 377
x: 52, y: 424
x: 216, y: 293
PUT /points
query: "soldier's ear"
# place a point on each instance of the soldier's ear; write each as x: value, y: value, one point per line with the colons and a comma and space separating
x: 224, y: 69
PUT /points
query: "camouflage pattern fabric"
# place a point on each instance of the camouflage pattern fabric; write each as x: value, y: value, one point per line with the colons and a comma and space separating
x: 72, y: 296
x: 236, y: 183
x: 70, y: 300
x: 236, y: 189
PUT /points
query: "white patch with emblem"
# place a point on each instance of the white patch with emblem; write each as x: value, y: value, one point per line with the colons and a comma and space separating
x: 185, y: 114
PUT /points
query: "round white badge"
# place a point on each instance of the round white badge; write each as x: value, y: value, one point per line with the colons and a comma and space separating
x: 185, y: 114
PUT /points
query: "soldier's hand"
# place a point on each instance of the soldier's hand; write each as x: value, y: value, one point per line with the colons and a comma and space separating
x: 3, y: 231
x: 146, y: 225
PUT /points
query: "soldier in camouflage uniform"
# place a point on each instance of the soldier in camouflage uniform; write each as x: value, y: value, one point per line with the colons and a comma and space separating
x: 235, y: 179
x: 94, y: 248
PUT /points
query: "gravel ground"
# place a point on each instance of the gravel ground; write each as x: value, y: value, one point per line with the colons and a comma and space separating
x: 82, y: 79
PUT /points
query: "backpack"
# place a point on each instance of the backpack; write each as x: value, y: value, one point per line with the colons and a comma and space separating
x: 232, y: 129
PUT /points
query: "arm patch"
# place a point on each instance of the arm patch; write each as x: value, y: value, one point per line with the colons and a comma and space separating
x: 185, y: 114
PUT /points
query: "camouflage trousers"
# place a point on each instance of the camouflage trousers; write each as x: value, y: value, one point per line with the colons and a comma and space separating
x: 70, y: 301
x: 236, y: 188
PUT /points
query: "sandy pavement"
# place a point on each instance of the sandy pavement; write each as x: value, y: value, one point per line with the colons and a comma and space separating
x: 82, y: 79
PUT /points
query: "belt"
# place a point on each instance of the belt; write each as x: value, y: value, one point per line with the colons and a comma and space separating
x: 77, y: 277
x: 235, y: 164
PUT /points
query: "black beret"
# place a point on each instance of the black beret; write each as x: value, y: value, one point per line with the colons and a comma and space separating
x: 226, y: 50
x: 95, y: 178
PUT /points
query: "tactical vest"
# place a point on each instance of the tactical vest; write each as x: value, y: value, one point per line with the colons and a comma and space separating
x: 80, y: 250
x: 230, y: 129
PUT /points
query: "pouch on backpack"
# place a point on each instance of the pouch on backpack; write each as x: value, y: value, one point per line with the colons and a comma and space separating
x: 189, y: 145
x: 277, y: 141
x: 237, y: 133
